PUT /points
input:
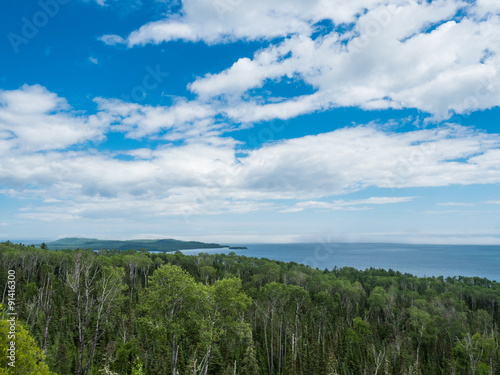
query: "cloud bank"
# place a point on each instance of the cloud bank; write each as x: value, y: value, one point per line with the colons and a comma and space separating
x: 45, y: 155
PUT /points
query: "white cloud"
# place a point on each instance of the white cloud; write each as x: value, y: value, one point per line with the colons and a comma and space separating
x: 341, y: 205
x: 457, y: 204
x: 112, y: 39
x: 484, y: 8
x: 182, y: 120
x: 34, y: 119
x: 215, y: 21
x: 251, y: 112
x: 93, y: 60
x: 441, y: 72
x: 354, y: 158
x: 408, y: 55
x: 206, y: 178
x: 203, y: 175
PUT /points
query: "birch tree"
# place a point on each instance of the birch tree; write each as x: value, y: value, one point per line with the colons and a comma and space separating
x: 95, y: 290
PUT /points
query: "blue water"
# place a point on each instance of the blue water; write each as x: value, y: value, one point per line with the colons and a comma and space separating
x: 419, y: 260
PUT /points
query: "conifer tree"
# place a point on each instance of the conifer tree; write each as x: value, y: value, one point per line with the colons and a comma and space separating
x: 249, y: 364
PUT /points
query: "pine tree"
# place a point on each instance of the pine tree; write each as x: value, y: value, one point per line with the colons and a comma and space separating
x: 249, y: 365
x: 332, y: 364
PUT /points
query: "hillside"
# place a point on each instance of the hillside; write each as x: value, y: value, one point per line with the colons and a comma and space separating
x: 150, y: 245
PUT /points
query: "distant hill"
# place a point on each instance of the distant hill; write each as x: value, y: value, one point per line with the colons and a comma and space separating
x: 150, y: 245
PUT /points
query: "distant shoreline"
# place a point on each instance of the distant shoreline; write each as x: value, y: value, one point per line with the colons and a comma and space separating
x: 166, y: 245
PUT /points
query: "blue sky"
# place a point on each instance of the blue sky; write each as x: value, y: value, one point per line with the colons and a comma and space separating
x: 241, y: 121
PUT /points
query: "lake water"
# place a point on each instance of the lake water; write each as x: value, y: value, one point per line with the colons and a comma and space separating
x: 419, y: 260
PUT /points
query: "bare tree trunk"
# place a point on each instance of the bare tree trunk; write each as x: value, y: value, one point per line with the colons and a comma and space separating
x: 83, y: 280
x: 46, y: 303
x: 207, y: 361
x: 267, y: 347
x: 80, y: 352
x: 272, y: 340
x: 46, y: 328
x: 175, y: 352
x: 280, y: 349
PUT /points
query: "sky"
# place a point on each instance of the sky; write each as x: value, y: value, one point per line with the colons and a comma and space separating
x: 238, y: 121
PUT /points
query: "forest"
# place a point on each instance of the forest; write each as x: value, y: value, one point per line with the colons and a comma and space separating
x: 111, y: 312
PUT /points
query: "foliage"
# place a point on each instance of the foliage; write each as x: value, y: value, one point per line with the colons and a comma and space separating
x: 134, y: 312
x: 29, y: 359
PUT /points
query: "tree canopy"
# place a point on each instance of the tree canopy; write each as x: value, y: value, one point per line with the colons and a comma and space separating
x: 135, y: 312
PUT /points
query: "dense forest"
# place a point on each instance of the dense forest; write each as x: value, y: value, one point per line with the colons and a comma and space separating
x: 134, y: 312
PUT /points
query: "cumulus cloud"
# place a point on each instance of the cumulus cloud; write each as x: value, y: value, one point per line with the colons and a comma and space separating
x: 453, y: 69
x: 229, y: 20
x: 181, y: 120
x: 354, y: 158
x: 34, y: 119
x: 208, y: 177
x: 441, y: 57
x: 37, y: 127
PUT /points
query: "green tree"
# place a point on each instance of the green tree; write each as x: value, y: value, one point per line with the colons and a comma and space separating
x: 223, y: 316
x: 95, y: 291
x: 419, y: 320
x: 174, y: 302
x: 474, y: 352
x: 29, y: 359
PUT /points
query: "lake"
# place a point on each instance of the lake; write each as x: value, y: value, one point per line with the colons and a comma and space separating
x: 419, y: 260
